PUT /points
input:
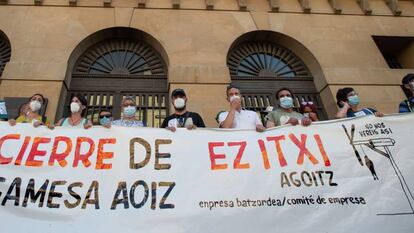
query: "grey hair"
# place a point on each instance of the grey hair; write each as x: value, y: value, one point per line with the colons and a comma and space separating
x: 131, y: 98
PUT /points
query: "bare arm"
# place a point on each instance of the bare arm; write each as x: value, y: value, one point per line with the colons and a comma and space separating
x: 88, y: 124
x: 306, y: 121
x: 342, y: 112
x: 228, y: 122
x: 270, y: 124
x: 313, y: 116
x: 59, y: 123
x: 12, y: 122
x: 260, y: 128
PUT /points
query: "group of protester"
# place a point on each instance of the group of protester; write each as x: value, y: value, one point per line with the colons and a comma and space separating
x: 236, y: 117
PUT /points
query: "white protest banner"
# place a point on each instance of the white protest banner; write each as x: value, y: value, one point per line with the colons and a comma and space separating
x: 352, y: 175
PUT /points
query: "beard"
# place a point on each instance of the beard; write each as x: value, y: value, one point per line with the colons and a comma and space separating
x: 180, y: 109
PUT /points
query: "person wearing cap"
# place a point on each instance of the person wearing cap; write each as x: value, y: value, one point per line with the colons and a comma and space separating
x: 181, y: 118
x: 285, y: 114
x: 348, y: 101
x: 129, y: 118
x: 237, y: 117
x: 407, y: 105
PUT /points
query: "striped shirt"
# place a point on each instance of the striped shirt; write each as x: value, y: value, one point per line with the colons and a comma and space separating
x: 406, y: 105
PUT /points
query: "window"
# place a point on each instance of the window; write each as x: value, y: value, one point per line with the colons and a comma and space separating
x: 5, y: 51
x: 265, y: 59
x: 260, y: 68
x: 121, y: 56
x: 115, y: 68
x: 398, y: 51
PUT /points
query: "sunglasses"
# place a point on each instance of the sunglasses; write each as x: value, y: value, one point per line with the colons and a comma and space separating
x: 307, y: 103
x: 108, y: 116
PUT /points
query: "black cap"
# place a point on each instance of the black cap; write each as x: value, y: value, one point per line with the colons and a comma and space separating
x: 178, y: 91
x: 407, y: 79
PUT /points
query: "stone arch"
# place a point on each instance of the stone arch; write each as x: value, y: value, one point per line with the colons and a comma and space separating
x: 117, y: 62
x: 261, y: 62
x: 5, y: 51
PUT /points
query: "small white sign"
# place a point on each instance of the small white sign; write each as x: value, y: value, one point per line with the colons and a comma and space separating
x: 3, y: 110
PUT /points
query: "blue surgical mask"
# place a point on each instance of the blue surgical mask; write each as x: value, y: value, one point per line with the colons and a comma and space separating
x: 105, y: 121
x: 286, y: 102
x: 353, y: 100
x: 130, y: 111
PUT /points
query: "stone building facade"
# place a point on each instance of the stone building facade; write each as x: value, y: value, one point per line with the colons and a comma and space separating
x: 146, y: 48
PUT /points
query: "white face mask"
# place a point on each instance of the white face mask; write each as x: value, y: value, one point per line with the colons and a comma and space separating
x: 412, y: 86
x: 74, y: 107
x: 179, y: 103
x: 234, y: 97
x: 35, y: 105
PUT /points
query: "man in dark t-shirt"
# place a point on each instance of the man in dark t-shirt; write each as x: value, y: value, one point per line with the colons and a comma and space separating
x: 407, y: 105
x: 181, y: 118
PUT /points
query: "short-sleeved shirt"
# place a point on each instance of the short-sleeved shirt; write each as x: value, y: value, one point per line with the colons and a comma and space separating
x: 128, y: 123
x: 25, y: 119
x: 183, y: 120
x: 362, y: 112
x: 407, y: 105
x: 81, y: 124
x: 280, y: 117
x: 243, y: 119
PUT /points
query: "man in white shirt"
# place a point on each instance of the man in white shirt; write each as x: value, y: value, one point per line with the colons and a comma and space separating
x: 236, y: 117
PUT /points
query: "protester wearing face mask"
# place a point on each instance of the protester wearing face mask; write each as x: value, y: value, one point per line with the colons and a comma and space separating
x: 348, y: 101
x: 29, y: 113
x: 285, y: 114
x: 237, y: 117
x: 407, y: 105
x: 181, y: 118
x: 77, y: 116
x: 128, y: 119
x: 308, y: 110
x: 105, y: 119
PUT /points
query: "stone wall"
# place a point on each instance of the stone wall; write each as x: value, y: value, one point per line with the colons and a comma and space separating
x: 197, y: 41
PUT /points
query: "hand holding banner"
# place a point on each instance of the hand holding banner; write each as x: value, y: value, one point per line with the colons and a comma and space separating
x: 287, y: 179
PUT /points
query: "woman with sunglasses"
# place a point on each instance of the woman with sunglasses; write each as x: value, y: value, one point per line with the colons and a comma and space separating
x: 29, y: 113
x: 308, y: 109
x: 105, y: 118
x: 348, y: 101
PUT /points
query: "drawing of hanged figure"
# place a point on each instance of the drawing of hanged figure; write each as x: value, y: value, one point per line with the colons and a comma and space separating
x: 370, y: 166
